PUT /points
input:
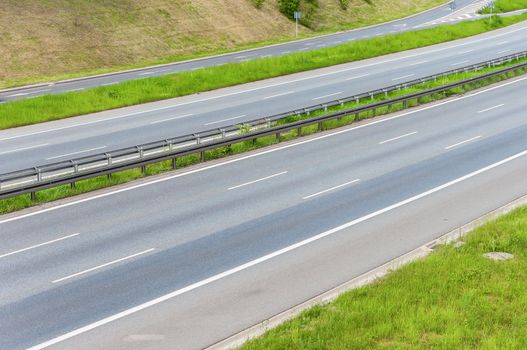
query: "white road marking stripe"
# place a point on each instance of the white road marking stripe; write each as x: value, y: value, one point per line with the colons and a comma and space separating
x: 19, y: 94
x: 28, y: 93
x: 458, y: 63
x: 73, y: 90
x: 357, y: 77
x: 103, y: 265
x: 197, y: 68
x: 416, y: 63
x: 502, y: 42
x: 38, y: 245
x: 146, y: 73
x: 503, y: 51
x: 224, y: 120
x: 285, y: 52
x: 491, y: 108
x: 173, y: 118
x: 276, y: 84
x: 321, y: 97
x: 269, y: 256
x: 404, y: 76
x: 73, y: 153
x: 278, y: 95
x: 331, y: 189
x: 258, y: 154
x: 259, y: 180
x: 462, y: 142
x: 108, y: 84
x: 467, y: 51
x: 24, y: 148
x: 397, y: 138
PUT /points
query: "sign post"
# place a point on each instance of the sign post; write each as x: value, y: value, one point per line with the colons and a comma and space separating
x: 297, y: 15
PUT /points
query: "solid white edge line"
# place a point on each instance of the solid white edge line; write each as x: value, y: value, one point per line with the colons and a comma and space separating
x: 23, y: 149
x: 269, y: 256
x: 325, y: 96
x: 331, y: 189
x: 275, y: 84
x: 397, y: 138
x: 491, y: 108
x: 462, y: 142
x: 38, y: 245
x: 258, y: 154
x: 73, y: 153
x: 225, y: 120
x: 170, y: 119
x: 103, y: 265
x: 458, y: 63
x: 255, y: 181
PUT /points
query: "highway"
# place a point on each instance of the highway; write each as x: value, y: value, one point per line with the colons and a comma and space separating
x: 276, y: 50
x: 96, y: 133
x: 186, y: 259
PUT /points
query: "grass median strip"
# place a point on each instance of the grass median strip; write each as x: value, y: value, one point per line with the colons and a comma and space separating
x: 455, y: 298
x: 501, y: 6
x: 53, y: 107
x: 24, y: 201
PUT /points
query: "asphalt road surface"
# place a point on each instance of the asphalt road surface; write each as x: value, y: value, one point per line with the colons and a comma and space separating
x: 96, y: 133
x: 187, y: 259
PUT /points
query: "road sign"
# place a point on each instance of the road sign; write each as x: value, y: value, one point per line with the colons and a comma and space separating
x: 491, y: 5
x: 298, y: 14
x: 453, y: 5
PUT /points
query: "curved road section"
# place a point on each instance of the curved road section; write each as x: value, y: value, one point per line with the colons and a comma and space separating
x: 187, y: 259
x: 268, y: 51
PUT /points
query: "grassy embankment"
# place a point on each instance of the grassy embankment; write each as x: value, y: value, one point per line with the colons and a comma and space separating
x: 63, y: 39
x: 24, y: 201
x: 453, y: 299
x: 53, y: 107
x: 502, y: 6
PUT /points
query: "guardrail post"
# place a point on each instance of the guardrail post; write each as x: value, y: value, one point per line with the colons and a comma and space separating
x: 325, y: 108
x: 174, y: 163
x: 75, y: 171
x: 39, y: 179
x: 320, y: 126
x: 278, y: 136
x: 299, y: 131
x: 109, y: 160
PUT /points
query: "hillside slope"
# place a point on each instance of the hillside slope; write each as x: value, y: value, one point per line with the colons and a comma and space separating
x: 53, y: 38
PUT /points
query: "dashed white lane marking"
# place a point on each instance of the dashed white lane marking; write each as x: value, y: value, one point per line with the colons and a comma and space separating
x: 173, y: 118
x: 458, y: 63
x: 103, y: 265
x: 325, y: 96
x: 74, y: 153
x: 397, y: 138
x: 417, y: 63
x: 23, y: 148
x: 146, y: 73
x: 278, y: 95
x: 357, y: 77
x: 38, y: 245
x: 462, y: 142
x: 404, y: 76
x: 331, y: 189
x: 109, y: 84
x: 503, y: 51
x: 491, y: 108
x: 224, y: 120
x: 256, y: 181
x: 77, y: 89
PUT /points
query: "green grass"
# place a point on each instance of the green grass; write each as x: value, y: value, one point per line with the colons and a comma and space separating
x: 53, y: 107
x: 453, y: 299
x: 501, y: 6
x: 24, y: 201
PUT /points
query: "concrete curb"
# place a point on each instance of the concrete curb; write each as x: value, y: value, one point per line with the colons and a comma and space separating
x: 88, y: 77
x: 238, y: 339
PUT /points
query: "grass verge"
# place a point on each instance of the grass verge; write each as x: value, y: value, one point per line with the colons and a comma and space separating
x: 453, y: 299
x: 502, y: 6
x: 24, y: 201
x: 53, y: 107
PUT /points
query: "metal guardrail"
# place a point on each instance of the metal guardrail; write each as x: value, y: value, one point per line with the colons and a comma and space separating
x: 68, y: 172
